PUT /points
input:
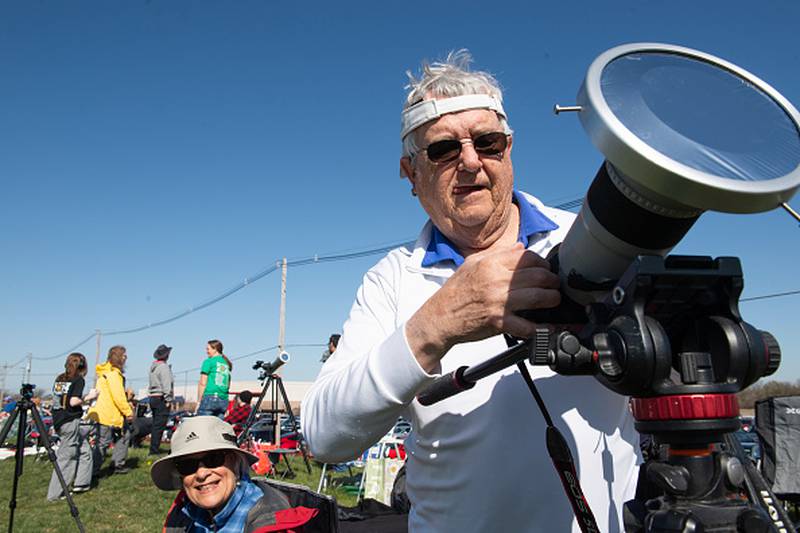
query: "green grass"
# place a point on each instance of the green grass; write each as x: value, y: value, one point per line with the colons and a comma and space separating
x: 120, y: 503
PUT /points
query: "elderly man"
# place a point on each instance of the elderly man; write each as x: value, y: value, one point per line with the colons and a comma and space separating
x: 477, y: 461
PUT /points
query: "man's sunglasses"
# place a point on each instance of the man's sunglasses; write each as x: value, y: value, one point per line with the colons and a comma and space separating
x: 448, y: 150
x: 189, y: 465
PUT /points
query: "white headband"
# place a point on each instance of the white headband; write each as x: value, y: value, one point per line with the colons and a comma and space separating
x: 427, y: 110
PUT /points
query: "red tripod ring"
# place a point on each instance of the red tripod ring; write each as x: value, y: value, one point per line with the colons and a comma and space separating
x: 685, y: 407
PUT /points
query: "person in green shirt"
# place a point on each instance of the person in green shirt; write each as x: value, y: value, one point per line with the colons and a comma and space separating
x: 215, y: 380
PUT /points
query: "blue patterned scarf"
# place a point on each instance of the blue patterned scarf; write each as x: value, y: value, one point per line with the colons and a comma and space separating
x: 232, y: 517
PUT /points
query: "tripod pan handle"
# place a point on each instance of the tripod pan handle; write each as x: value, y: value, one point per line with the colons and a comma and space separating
x: 445, y: 386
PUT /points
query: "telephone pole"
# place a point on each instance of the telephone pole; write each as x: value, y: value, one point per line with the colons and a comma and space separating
x: 186, y: 387
x: 282, y: 332
x: 3, y: 381
x: 28, y: 368
x: 99, y: 335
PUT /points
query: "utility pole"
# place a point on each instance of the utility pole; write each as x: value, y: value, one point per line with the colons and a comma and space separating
x: 186, y: 387
x: 282, y: 332
x: 276, y: 417
x: 28, y: 368
x: 3, y: 381
x: 99, y: 335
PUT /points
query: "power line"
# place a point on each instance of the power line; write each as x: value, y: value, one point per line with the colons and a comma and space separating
x: 768, y: 296
x: 241, y: 285
x: 67, y: 352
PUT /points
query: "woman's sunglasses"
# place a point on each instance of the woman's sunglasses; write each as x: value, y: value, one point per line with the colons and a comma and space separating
x: 189, y: 465
x: 448, y: 150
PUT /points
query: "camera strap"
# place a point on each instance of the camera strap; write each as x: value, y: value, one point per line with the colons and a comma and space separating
x: 561, y: 456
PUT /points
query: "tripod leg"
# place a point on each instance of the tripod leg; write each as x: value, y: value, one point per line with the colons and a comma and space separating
x: 19, y: 455
x: 758, y: 490
x: 7, y: 428
x: 300, y: 440
x: 52, y: 455
x: 252, y: 417
x: 322, y: 477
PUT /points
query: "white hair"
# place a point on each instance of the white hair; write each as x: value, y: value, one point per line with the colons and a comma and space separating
x: 446, y: 79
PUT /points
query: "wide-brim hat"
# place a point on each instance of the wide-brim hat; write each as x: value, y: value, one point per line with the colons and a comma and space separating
x: 194, y: 435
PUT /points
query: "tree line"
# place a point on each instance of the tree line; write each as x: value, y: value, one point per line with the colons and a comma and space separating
x: 762, y: 390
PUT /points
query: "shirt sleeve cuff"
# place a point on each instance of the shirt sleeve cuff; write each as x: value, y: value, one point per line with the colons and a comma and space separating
x: 403, y: 377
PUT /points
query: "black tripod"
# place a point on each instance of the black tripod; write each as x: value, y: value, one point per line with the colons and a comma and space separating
x: 269, y: 378
x: 21, y: 410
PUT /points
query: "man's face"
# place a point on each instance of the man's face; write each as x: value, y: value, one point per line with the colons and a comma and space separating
x: 331, y: 347
x: 210, y: 488
x: 469, y: 198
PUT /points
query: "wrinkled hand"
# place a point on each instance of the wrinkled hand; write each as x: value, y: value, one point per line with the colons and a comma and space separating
x: 481, y: 300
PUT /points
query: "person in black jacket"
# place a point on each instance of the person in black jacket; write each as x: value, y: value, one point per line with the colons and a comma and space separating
x: 74, y: 454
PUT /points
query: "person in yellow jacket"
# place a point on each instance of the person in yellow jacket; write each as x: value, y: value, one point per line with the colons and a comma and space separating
x: 111, y: 411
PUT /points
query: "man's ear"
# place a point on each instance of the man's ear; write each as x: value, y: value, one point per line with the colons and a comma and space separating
x: 407, y: 169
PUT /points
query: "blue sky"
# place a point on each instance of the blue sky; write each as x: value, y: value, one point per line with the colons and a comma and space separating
x: 154, y: 154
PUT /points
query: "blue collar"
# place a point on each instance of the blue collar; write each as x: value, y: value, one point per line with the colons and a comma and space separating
x: 531, y: 222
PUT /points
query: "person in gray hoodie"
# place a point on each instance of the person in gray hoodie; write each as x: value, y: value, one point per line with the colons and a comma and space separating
x: 161, y: 385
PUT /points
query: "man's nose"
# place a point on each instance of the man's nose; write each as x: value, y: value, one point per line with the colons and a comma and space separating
x: 470, y: 161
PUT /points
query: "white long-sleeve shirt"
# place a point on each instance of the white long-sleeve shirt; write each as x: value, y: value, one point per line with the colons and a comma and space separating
x: 476, y: 461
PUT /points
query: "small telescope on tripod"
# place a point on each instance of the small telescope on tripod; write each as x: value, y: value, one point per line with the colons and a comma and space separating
x: 273, y: 382
x: 270, y: 368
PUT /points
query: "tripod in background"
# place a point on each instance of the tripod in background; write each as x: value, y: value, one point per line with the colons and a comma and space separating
x: 21, y: 411
x: 270, y: 378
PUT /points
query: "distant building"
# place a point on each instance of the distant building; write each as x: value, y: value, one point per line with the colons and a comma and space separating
x: 295, y: 390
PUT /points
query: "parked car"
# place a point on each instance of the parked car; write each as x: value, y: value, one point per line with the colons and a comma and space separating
x: 286, y: 424
x: 261, y: 430
x: 173, y: 421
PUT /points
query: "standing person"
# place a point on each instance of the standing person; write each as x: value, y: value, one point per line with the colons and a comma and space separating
x: 74, y: 453
x: 333, y: 342
x: 446, y: 301
x: 160, y: 392
x: 215, y: 379
x: 111, y: 411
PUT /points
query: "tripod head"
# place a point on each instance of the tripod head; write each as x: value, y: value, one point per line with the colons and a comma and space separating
x: 26, y: 391
x: 670, y: 335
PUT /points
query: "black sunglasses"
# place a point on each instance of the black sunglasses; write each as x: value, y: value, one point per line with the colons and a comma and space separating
x: 447, y: 150
x: 189, y: 465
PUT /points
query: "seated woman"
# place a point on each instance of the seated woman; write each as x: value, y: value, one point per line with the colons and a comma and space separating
x: 217, y: 494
